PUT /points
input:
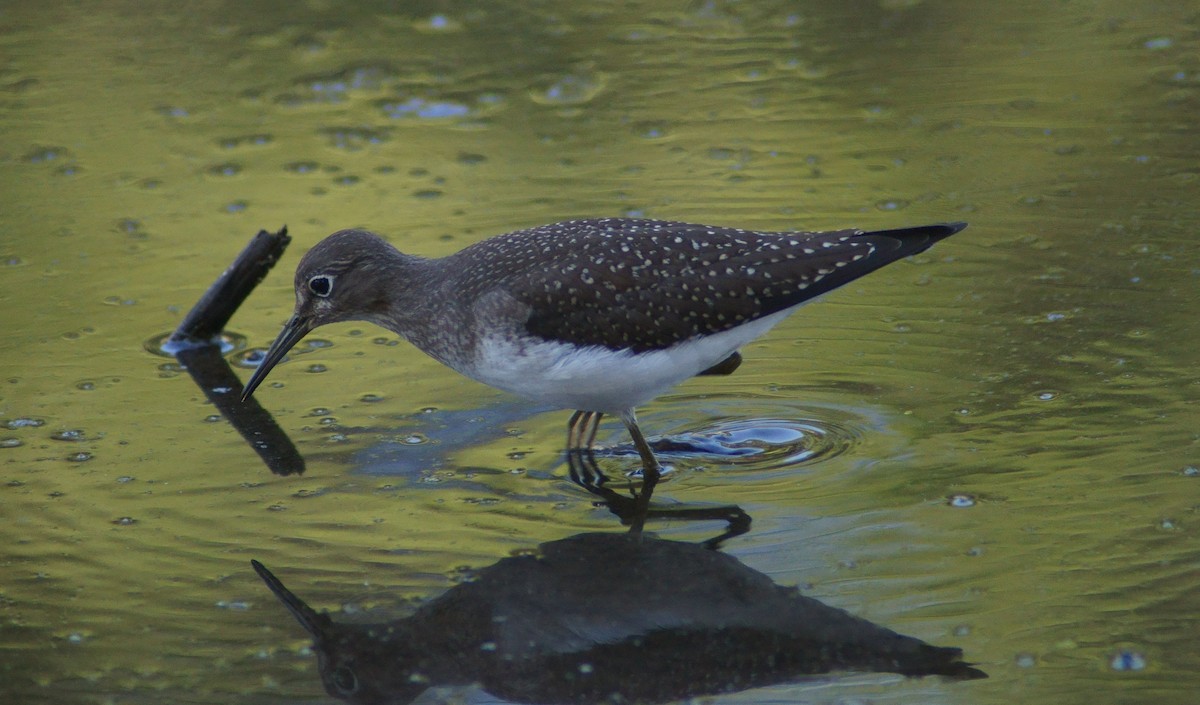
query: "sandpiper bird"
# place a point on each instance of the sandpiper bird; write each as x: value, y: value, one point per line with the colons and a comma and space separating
x: 599, y: 316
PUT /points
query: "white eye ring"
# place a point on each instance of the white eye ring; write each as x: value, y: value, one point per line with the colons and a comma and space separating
x: 321, y: 285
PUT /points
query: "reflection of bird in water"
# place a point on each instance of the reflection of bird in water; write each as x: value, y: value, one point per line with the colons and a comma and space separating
x: 608, y: 618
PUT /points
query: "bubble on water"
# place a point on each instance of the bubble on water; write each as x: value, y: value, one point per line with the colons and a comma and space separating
x: 1127, y: 660
x: 24, y: 422
x: 1190, y: 471
x: 165, y: 345
x: 571, y: 89
x: 255, y: 140
x: 333, y: 87
x: 73, y: 434
x: 961, y: 500
x: 1025, y: 660
x: 437, y: 23
x: 353, y: 139
x: 80, y: 457
x: 302, y: 167
x: 1047, y: 395
x: 225, y: 169
x: 254, y: 357
x: 316, y: 368
x: 10, y: 442
x: 427, y: 109
x: 42, y: 155
x: 650, y: 130
x: 124, y: 521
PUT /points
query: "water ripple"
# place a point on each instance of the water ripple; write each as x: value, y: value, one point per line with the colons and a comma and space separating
x: 758, y: 435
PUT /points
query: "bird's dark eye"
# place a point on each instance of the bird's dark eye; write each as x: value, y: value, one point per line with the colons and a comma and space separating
x: 344, y: 680
x: 321, y: 285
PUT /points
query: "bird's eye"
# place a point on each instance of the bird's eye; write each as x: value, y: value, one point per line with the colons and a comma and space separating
x: 321, y: 285
x: 344, y: 680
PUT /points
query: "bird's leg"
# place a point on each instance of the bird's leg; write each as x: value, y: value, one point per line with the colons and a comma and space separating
x: 573, y: 431
x: 595, y: 422
x: 582, y: 429
x: 651, y: 471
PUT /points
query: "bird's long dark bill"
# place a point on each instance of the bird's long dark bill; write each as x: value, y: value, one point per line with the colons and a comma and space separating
x: 310, y: 619
x: 295, y: 329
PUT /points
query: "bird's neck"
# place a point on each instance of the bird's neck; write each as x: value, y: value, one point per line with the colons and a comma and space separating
x: 415, y: 300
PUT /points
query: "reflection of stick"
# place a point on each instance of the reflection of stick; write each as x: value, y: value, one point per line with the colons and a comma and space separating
x: 208, y: 317
x: 199, y: 351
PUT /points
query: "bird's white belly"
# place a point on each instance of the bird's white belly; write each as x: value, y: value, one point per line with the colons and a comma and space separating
x: 599, y: 379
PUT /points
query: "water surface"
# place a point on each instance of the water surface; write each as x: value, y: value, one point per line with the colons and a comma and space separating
x: 992, y: 446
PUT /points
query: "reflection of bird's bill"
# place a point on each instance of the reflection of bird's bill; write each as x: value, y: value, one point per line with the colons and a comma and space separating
x: 312, y: 621
x: 296, y: 328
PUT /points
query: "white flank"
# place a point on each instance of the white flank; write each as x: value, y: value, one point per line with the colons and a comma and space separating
x: 599, y: 379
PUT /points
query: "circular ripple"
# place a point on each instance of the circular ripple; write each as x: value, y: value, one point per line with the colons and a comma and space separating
x: 754, y: 434
x: 163, y: 346
x: 771, y: 443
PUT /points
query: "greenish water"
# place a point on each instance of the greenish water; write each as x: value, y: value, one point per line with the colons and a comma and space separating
x: 1005, y: 428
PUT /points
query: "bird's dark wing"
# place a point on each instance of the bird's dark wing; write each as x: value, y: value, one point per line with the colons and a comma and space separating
x: 646, y: 285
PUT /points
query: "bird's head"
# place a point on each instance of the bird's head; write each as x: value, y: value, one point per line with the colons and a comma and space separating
x: 344, y: 278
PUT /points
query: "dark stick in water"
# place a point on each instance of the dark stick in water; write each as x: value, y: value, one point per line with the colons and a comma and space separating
x: 197, y: 347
